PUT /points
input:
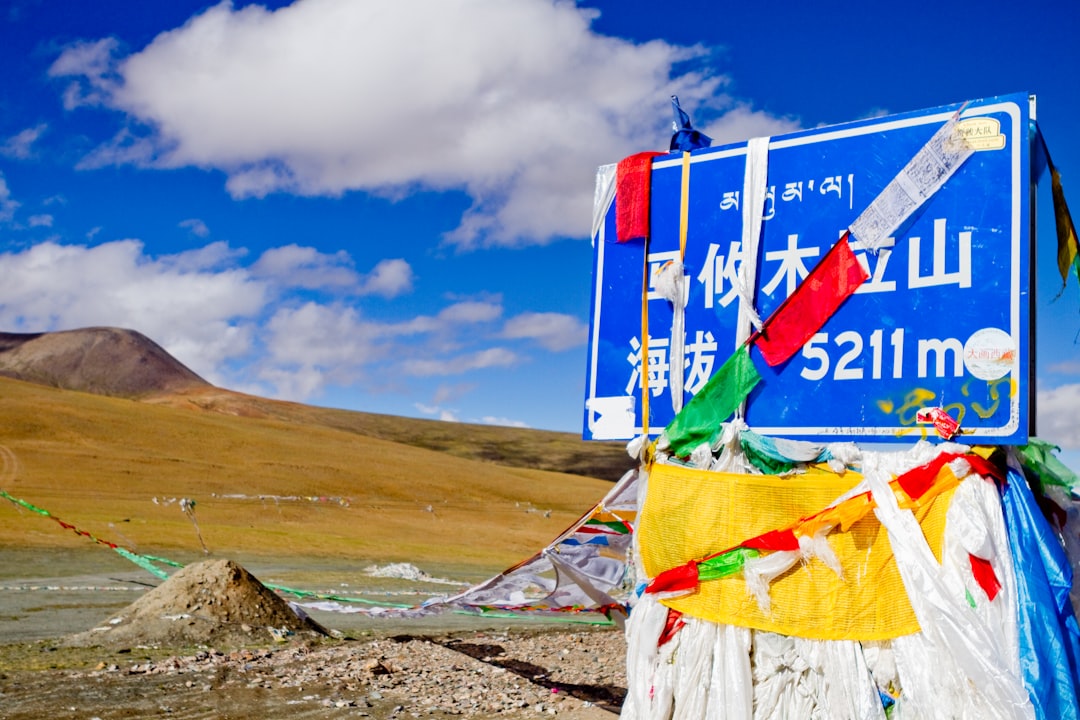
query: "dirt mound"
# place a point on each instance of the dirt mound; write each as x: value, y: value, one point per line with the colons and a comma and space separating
x: 214, y: 602
x: 100, y: 360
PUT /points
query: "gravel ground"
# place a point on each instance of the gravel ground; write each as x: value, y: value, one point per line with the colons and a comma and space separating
x: 569, y: 673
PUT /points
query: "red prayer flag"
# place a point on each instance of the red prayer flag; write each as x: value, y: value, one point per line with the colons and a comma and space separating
x: 982, y: 466
x: 985, y: 576
x: 683, y: 578
x: 633, y: 184
x: 917, y: 481
x: 672, y: 625
x: 819, y: 295
x: 775, y: 540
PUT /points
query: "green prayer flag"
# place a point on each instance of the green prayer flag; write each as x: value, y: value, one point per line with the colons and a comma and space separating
x: 726, y: 564
x: 700, y: 419
x: 1038, y: 458
x: 765, y: 463
x: 142, y: 562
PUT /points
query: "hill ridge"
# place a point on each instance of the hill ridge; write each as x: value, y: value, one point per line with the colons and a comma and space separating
x: 124, y: 363
x: 110, y: 361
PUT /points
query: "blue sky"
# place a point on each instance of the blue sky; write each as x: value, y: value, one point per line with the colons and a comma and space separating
x: 386, y: 206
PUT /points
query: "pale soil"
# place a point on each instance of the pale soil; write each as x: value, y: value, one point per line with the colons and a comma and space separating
x: 439, y: 667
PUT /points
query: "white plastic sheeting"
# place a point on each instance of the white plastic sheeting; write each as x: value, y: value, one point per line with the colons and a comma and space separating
x: 649, y: 666
x: 799, y: 678
x: 963, y: 664
x: 731, y: 687
x: 723, y: 672
x: 755, y: 187
x: 670, y: 284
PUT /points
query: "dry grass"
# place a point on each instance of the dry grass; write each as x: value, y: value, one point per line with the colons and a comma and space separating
x: 100, y: 462
x: 514, y: 447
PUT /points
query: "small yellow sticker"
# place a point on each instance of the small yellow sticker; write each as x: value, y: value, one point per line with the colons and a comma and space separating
x: 981, y: 133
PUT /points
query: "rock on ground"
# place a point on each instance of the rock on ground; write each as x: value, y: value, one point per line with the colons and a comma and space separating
x: 214, y: 602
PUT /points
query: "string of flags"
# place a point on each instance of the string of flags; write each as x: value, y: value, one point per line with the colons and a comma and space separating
x: 581, y: 573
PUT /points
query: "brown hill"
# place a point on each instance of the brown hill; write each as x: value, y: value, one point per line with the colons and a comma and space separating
x: 124, y: 363
x: 100, y: 360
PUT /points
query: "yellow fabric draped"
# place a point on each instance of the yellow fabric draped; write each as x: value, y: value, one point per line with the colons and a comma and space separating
x: 690, y: 514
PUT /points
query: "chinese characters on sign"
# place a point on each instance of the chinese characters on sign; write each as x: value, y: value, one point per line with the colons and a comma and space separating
x: 945, y: 292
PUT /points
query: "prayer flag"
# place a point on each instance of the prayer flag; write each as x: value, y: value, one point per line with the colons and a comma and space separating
x: 775, y: 540
x: 633, y: 184
x: 683, y: 578
x: 685, y: 138
x: 917, y: 481
x: 700, y: 420
x: 1068, y: 253
x: 984, y: 574
x: 821, y: 293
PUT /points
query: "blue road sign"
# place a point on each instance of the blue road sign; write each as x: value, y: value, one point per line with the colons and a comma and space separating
x: 943, y: 321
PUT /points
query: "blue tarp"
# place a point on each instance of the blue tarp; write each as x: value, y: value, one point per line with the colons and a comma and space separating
x: 1049, y: 634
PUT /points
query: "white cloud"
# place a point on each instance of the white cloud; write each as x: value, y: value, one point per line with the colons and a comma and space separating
x: 293, y: 383
x: 449, y: 415
x: 8, y: 206
x: 335, y: 345
x: 440, y: 413
x: 216, y: 255
x: 503, y: 422
x: 246, y: 325
x: 124, y: 148
x: 742, y: 122
x: 93, y: 61
x: 43, y: 220
x: 515, y: 103
x: 389, y: 278
x: 479, y: 360
x: 197, y: 227
x: 200, y: 316
x: 553, y: 331
x: 306, y: 267
x: 450, y: 318
x: 1066, y: 367
x: 1058, y: 418
x: 471, y: 311
x: 20, y: 145
x: 334, y: 338
x: 448, y: 393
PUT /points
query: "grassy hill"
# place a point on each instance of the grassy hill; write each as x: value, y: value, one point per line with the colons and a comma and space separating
x: 280, y: 479
x: 514, y: 447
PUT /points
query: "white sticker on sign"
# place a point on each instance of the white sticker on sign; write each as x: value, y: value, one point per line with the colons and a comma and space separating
x: 989, y: 354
